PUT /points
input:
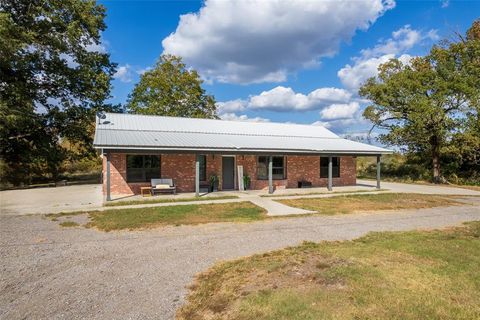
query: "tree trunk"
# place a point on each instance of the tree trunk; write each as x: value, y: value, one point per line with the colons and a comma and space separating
x: 436, y: 160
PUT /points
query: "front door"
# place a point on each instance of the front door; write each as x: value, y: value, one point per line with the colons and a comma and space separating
x: 228, y: 173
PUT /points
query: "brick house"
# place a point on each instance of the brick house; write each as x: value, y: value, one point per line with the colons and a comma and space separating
x: 138, y: 148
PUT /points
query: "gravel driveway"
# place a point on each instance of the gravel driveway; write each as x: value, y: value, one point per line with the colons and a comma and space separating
x: 48, y: 272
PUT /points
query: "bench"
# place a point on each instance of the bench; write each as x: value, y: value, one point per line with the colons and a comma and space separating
x: 163, y: 186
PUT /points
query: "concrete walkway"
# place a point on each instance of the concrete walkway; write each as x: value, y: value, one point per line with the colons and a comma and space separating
x: 272, y: 207
x: 50, y: 272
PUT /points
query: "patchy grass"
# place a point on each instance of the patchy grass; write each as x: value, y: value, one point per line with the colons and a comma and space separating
x: 117, y: 219
x: 319, y: 193
x: 401, y: 275
x: 166, y: 200
x: 68, y: 224
x: 55, y: 216
x: 371, y: 202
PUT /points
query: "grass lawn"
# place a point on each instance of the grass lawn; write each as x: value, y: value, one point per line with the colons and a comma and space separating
x: 396, y: 275
x: 164, y: 200
x: 369, y: 202
x: 137, y: 218
x: 317, y: 192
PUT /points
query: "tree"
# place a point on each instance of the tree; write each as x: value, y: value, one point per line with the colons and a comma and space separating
x: 424, y: 103
x: 53, y: 77
x: 170, y: 89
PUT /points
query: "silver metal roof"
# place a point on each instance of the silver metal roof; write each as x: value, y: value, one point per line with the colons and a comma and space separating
x: 140, y: 132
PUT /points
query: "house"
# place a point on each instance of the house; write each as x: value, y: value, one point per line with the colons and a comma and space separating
x: 137, y: 148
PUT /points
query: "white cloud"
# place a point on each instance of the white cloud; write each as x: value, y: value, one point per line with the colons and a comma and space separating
x: 243, y: 117
x: 141, y: 71
x: 123, y: 73
x: 231, y: 106
x: 353, y: 76
x: 340, y: 111
x: 93, y: 47
x: 285, y: 99
x: 366, y: 65
x: 263, y: 41
x: 402, y: 40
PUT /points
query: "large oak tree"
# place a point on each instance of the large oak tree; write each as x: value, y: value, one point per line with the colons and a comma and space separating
x: 54, y: 75
x: 427, y: 103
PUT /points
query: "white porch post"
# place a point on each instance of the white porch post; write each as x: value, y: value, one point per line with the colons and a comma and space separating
x: 197, y: 175
x: 109, y: 198
x: 379, y: 165
x: 330, y: 169
x: 270, y: 178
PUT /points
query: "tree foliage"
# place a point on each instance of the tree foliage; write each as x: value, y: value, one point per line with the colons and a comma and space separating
x: 54, y: 75
x: 170, y: 89
x: 430, y: 104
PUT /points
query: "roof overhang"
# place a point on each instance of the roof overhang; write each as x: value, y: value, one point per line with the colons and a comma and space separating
x: 234, y: 151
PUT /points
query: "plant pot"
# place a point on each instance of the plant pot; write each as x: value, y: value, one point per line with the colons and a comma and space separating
x: 214, y: 187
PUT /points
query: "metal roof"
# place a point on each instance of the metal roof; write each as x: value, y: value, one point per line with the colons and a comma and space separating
x: 141, y: 132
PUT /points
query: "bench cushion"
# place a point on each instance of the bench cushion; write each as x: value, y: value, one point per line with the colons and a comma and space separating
x: 167, y: 181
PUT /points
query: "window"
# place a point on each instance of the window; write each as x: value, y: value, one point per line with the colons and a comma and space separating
x: 324, y: 167
x: 278, y: 168
x: 203, y: 167
x: 142, y: 168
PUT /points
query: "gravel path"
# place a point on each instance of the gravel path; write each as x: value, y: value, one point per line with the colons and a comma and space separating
x: 50, y: 272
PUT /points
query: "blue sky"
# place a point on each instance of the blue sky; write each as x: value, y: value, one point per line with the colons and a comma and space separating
x: 279, y: 61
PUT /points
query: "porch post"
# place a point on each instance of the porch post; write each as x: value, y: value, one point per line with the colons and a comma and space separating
x: 379, y: 165
x: 109, y: 198
x: 197, y: 175
x: 330, y: 169
x: 270, y: 178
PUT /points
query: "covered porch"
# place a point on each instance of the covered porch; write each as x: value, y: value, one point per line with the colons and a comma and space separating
x: 300, y: 167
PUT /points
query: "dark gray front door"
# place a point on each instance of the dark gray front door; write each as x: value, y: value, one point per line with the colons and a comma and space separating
x: 228, y: 173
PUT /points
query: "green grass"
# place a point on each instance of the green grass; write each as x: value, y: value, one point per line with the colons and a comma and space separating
x: 395, y: 275
x: 138, y: 218
x: 69, y: 224
x: 319, y: 193
x: 370, y: 202
x: 166, y: 200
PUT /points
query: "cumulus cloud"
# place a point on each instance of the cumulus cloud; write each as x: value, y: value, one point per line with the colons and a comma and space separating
x: 231, y: 106
x: 286, y: 99
x: 340, y: 111
x: 124, y: 73
x: 263, y: 41
x: 366, y: 65
x: 353, y: 76
x: 402, y: 40
x: 243, y: 117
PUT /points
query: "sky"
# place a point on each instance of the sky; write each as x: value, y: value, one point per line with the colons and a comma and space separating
x: 296, y: 61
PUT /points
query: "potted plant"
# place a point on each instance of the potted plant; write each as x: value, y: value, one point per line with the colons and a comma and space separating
x: 246, y: 182
x: 213, y: 183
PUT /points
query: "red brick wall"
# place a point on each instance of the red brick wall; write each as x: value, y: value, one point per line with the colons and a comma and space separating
x: 181, y: 168
x: 308, y: 168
